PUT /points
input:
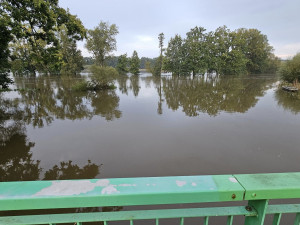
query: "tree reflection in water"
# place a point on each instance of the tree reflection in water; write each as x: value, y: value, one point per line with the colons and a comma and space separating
x: 16, y: 163
x: 213, y: 94
x: 288, y: 100
x: 49, y: 98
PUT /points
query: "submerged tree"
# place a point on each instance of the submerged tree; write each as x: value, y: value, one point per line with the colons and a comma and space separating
x: 37, y: 22
x: 196, y: 47
x: 72, y: 60
x: 122, y: 65
x: 134, y: 63
x: 256, y: 48
x: 101, y: 41
x: 174, y: 55
x: 159, y: 61
x: 290, y: 70
x: 5, y: 38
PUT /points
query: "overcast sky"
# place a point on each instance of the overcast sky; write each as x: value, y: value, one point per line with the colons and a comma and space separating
x: 140, y: 21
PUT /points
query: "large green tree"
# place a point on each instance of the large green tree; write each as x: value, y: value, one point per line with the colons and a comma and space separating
x: 36, y: 23
x: 174, y: 55
x: 255, y: 46
x: 122, y: 65
x: 72, y: 60
x: 195, y: 45
x: 101, y: 41
x: 290, y: 70
x: 4, y: 53
x: 134, y: 63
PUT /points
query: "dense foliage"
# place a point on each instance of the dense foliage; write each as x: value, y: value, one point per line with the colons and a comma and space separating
x: 101, y: 41
x: 222, y: 51
x: 122, y: 65
x: 290, y: 70
x: 31, y: 28
x: 134, y: 63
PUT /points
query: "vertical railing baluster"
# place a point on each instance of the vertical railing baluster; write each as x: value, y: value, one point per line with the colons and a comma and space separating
x: 297, y: 219
x: 229, y: 220
x: 181, y: 221
x: 131, y: 222
x: 105, y: 222
x: 157, y: 221
x: 206, y: 220
x: 277, y: 217
x: 260, y: 206
x: 79, y: 223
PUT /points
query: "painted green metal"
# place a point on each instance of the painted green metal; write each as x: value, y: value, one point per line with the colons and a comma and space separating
x: 297, y: 219
x: 277, y: 218
x: 270, y: 186
x: 128, y: 215
x: 123, y: 191
x: 230, y: 220
x: 260, y: 206
x: 256, y: 188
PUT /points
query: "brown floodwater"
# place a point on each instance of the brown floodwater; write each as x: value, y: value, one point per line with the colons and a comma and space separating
x: 148, y: 126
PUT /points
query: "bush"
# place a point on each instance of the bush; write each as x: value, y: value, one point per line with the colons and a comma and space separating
x: 80, y: 86
x: 290, y: 71
x: 102, y: 78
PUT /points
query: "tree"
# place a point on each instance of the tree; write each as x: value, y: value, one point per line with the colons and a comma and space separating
x: 195, y: 45
x: 290, y: 70
x: 134, y: 63
x: 255, y: 47
x: 5, y: 38
x: 72, y: 60
x: 224, y: 55
x: 159, y: 60
x: 173, y: 60
x: 101, y: 41
x: 122, y: 65
x: 38, y: 22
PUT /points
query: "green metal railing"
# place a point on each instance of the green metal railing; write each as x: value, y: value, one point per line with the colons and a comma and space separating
x: 257, y: 189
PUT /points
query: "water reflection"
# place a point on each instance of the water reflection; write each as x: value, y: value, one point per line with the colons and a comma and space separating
x: 15, y: 157
x: 135, y: 84
x: 16, y: 162
x: 213, y: 94
x: 46, y: 99
x: 289, y: 101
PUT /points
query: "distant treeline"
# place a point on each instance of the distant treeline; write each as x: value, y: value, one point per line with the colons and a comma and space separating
x: 113, y: 61
x: 221, y: 51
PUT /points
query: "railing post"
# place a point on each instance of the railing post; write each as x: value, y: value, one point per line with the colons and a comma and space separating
x: 260, y: 206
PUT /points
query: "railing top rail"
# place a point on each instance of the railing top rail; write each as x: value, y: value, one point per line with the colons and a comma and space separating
x: 270, y: 185
x: 119, y: 191
x: 147, y: 191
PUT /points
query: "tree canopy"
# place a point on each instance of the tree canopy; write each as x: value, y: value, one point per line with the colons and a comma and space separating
x: 290, y: 70
x: 101, y: 41
x: 221, y: 51
x: 134, y: 63
x: 35, y: 26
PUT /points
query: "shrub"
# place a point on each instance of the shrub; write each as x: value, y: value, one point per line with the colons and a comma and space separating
x: 103, y: 77
x: 290, y: 71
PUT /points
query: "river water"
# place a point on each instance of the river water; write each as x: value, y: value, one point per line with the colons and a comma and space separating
x: 148, y: 126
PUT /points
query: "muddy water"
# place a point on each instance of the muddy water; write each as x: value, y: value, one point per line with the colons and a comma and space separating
x: 148, y: 127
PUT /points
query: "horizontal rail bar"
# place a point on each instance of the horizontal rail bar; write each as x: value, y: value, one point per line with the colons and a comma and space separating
x: 118, y: 192
x: 283, y: 208
x: 270, y: 185
x: 147, y: 191
x: 127, y: 215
